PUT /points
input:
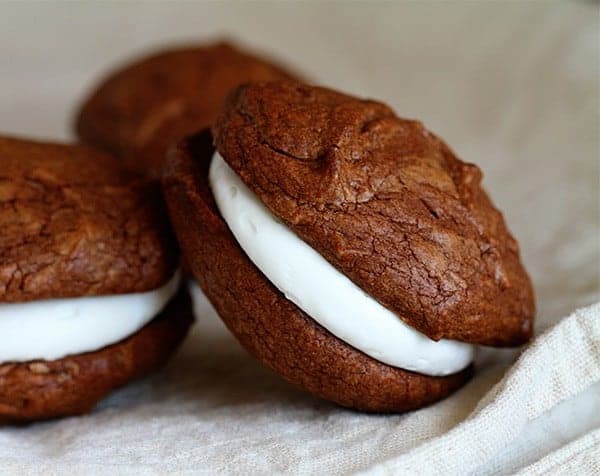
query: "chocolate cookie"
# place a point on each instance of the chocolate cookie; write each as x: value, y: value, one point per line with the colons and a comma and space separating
x: 73, y: 224
x: 268, y: 325
x: 387, y: 203
x: 138, y: 110
x: 77, y: 232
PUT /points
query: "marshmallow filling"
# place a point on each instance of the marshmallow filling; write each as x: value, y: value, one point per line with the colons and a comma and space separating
x: 321, y: 291
x: 55, y: 328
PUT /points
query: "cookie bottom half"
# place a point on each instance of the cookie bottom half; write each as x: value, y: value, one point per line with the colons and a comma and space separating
x: 274, y: 330
x: 40, y: 390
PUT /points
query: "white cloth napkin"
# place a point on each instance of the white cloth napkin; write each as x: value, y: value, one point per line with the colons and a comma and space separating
x: 557, y: 365
x: 511, y: 86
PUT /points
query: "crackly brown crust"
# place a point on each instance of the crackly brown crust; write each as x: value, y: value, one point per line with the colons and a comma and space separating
x: 387, y: 203
x: 40, y: 390
x: 269, y: 326
x: 74, y: 224
x: 137, y: 111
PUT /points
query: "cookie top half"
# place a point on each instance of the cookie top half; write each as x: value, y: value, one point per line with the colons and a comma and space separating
x: 136, y: 112
x: 74, y: 224
x: 386, y: 202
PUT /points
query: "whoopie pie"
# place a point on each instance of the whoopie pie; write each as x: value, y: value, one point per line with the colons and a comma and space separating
x: 89, y: 286
x: 347, y: 249
x: 137, y: 111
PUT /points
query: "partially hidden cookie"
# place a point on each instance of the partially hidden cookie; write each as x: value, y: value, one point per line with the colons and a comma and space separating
x: 137, y: 111
x: 347, y: 249
x: 89, y: 283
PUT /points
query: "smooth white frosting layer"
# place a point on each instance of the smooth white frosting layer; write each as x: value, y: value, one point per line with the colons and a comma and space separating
x: 54, y: 328
x: 320, y: 290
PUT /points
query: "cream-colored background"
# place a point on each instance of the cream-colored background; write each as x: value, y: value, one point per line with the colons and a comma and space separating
x: 512, y: 87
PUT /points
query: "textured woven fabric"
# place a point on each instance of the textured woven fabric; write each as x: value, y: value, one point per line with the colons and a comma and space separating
x: 559, y: 364
x: 579, y: 457
x: 510, y: 86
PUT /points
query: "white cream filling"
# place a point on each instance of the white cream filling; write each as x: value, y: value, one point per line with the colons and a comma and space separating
x: 320, y: 290
x: 54, y: 328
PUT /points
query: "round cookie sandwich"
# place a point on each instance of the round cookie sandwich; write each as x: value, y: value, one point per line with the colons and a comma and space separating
x: 139, y: 110
x: 346, y: 248
x: 89, y: 286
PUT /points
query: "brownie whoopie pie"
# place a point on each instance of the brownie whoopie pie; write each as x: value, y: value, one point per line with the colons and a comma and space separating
x: 88, y: 280
x: 140, y: 109
x: 347, y: 249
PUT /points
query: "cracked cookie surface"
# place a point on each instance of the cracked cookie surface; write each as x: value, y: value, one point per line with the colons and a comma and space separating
x: 387, y: 203
x: 139, y: 110
x: 73, y: 224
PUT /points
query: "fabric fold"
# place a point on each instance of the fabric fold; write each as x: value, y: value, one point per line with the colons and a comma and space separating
x: 559, y: 364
